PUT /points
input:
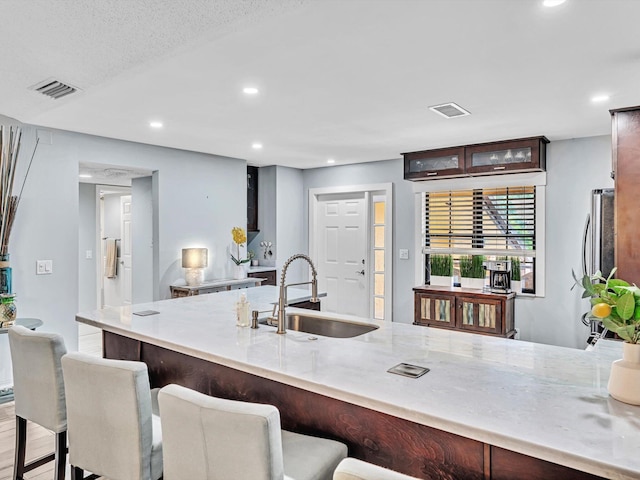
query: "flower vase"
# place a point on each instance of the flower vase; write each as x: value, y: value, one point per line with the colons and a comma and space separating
x: 624, y: 381
x: 8, y: 310
x: 475, y: 283
x: 239, y: 272
x: 5, y: 274
x: 440, y: 281
x: 516, y: 286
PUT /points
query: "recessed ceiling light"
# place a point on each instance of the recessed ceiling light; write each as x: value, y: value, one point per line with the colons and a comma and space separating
x: 85, y: 175
x: 256, y: 146
x: 250, y: 90
x: 553, y: 3
x: 600, y: 98
x: 155, y: 124
x: 331, y: 160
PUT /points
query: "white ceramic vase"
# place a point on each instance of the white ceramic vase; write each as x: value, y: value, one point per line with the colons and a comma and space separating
x: 516, y: 286
x: 475, y: 283
x: 441, y: 281
x: 239, y: 272
x: 624, y: 381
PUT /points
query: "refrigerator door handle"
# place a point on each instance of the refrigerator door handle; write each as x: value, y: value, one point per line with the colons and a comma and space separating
x: 584, y: 245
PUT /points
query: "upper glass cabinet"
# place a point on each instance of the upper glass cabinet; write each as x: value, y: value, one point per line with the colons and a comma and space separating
x: 434, y: 163
x: 525, y: 154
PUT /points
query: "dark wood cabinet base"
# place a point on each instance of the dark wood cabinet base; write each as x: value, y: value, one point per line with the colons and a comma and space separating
x: 382, y: 439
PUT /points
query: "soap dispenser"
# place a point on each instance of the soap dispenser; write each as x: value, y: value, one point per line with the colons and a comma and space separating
x: 242, y: 311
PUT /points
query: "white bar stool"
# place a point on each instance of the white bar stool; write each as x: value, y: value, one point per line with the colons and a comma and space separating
x: 112, y: 430
x: 210, y: 438
x: 353, y: 469
x: 38, y: 389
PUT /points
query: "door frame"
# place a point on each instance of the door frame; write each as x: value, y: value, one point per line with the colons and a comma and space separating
x: 100, y: 244
x: 370, y: 190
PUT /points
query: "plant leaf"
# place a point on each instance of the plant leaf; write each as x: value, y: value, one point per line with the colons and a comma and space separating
x: 626, y: 305
x: 616, y: 282
x: 620, y: 330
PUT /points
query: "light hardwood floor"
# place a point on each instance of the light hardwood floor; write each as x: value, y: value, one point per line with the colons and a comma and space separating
x: 39, y: 440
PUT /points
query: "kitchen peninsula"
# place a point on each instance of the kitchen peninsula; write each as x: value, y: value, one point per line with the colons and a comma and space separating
x: 488, y: 408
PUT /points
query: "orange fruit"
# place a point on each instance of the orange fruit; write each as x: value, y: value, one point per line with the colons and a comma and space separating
x: 601, y: 310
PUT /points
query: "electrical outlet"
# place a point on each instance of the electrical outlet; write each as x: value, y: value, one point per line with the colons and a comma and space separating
x: 44, y: 267
x: 88, y: 254
x: 404, y: 254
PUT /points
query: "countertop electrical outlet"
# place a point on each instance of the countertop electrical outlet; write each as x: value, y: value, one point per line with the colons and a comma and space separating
x: 404, y: 254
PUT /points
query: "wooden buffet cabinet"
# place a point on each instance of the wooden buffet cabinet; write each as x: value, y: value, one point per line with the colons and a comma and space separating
x: 625, y: 141
x: 465, y: 309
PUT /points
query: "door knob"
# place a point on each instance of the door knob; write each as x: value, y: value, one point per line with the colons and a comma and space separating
x: 361, y: 272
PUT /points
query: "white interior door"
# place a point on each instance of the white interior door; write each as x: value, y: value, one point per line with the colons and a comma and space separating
x: 342, y: 253
x: 125, y: 248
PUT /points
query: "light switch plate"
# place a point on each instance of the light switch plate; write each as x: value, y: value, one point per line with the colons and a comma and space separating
x: 404, y: 254
x: 44, y: 267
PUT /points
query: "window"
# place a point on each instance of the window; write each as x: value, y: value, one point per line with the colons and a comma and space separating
x: 378, y: 257
x: 495, y: 222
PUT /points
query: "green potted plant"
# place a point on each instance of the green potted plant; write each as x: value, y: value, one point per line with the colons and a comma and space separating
x: 617, y: 304
x: 441, y: 270
x: 472, y: 271
x: 516, y: 283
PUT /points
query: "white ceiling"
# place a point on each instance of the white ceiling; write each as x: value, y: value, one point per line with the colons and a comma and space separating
x: 349, y: 80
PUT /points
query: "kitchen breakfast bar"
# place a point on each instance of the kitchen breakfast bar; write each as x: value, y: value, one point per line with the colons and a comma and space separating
x: 489, y: 408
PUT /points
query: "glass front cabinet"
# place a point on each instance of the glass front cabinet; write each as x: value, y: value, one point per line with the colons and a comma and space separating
x: 508, y: 156
x: 444, y: 162
x: 462, y: 309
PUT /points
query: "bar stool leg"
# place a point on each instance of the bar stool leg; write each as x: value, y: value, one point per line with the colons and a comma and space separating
x: 21, y: 444
x: 77, y: 473
x: 61, y: 455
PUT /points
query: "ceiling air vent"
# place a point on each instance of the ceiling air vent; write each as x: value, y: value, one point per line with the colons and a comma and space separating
x: 54, y: 89
x: 449, y: 110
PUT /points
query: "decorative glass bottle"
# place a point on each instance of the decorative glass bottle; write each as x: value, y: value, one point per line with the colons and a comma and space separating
x: 7, y: 309
x: 5, y: 274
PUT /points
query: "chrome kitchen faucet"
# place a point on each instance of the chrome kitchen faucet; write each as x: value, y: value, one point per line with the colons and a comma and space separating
x: 282, y: 299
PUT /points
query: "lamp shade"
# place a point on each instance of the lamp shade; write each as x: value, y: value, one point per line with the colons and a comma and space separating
x: 194, y: 257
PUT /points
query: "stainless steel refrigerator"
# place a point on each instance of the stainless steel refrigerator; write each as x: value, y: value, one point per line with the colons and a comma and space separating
x: 598, y: 247
x: 599, y: 241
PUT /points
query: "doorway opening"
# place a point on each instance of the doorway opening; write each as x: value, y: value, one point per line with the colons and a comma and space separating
x: 350, y: 237
x: 108, y: 240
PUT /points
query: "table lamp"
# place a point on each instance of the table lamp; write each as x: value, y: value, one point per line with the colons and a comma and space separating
x: 194, y: 261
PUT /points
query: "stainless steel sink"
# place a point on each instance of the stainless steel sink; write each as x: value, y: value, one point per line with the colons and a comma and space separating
x: 327, y: 327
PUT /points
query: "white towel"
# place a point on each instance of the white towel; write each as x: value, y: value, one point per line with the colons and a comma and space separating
x: 110, y: 266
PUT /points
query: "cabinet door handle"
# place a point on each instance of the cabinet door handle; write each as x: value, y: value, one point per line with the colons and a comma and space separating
x: 499, y: 168
x: 431, y: 174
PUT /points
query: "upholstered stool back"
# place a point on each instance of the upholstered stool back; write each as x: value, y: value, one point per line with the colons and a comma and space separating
x: 112, y: 431
x: 216, y: 439
x: 353, y: 469
x: 38, y: 385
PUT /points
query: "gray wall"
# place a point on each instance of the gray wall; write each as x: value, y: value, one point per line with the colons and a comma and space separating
x: 575, y: 167
x: 87, y: 294
x: 200, y: 198
x: 142, y: 239
x: 290, y: 225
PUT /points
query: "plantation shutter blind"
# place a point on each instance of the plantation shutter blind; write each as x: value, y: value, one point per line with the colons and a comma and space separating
x: 489, y: 221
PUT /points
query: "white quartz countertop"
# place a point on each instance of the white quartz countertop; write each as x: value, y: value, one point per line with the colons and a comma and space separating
x: 540, y: 400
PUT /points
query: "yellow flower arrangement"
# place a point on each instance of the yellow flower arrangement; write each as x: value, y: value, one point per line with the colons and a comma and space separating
x: 239, y: 238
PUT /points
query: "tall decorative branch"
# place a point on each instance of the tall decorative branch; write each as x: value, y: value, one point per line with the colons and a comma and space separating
x: 10, y: 141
